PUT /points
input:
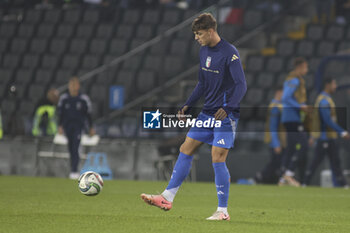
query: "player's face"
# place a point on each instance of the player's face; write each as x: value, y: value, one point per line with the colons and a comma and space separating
x: 73, y: 87
x: 333, y: 86
x: 203, y: 37
x: 304, y: 68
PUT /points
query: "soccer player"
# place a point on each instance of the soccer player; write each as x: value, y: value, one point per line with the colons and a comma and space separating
x: 74, y: 110
x: 222, y: 82
x: 294, y: 101
x: 326, y: 131
x: 276, y: 137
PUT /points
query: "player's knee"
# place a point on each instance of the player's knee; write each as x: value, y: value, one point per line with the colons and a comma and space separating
x: 218, y: 159
x: 189, y: 147
x: 186, y: 149
x: 219, y: 156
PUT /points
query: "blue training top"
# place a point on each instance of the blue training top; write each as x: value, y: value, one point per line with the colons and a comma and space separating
x: 291, y: 107
x: 326, y: 118
x: 221, y: 79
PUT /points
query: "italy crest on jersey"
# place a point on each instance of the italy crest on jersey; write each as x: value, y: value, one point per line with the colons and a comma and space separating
x: 207, y: 63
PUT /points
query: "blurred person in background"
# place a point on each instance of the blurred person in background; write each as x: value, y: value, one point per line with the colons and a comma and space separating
x: 275, y: 136
x: 1, y: 132
x: 342, y: 11
x: 326, y: 131
x: 44, y: 123
x: 324, y: 9
x: 94, y: 2
x: 294, y: 103
x: 74, y: 112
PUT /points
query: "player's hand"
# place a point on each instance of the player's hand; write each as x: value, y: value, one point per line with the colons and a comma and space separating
x: 182, y: 112
x: 311, y: 141
x: 346, y: 4
x: 60, y: 130
x: 305, y: 108
x: 220, y: 114
x: 278, y: 150
x: 92, y: 132
x: 346, y: 135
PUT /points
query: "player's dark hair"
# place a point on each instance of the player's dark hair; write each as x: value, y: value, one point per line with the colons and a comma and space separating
x: 204, y: 21
x: 74, y: 79
x: 298, y: 61
x: 52, y: 95
x: 327, y: 80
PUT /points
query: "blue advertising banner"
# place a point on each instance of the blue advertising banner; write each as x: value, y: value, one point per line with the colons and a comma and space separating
x: 116, y: 97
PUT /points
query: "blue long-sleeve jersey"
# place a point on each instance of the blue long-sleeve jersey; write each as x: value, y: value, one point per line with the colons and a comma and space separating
x: 275, y: 117
x: 221, y: 79
x: 326, y: 119
x: 74, y: 110
x: 291, y: 107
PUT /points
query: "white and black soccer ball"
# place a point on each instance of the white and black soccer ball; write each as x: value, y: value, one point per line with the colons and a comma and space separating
x: 90, y: 183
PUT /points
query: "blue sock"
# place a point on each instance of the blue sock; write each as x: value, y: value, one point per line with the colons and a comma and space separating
x: 181, y: 169
x: 222, y: 182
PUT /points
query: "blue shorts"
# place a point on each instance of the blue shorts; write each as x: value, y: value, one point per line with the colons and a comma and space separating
x: 223, y: 136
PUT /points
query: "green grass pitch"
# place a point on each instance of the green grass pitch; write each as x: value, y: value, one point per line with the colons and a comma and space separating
x: 29, y: 204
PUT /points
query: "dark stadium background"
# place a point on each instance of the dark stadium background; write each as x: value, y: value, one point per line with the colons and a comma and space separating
x: 148, y: 48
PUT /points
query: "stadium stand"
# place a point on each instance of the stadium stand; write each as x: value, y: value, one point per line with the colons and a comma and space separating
x: 40, y: 49
x: 46, y: 47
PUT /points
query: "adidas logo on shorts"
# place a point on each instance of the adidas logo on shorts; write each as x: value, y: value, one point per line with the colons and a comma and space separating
x: 221, y: 141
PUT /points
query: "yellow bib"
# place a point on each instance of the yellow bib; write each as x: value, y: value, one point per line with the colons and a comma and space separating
x: 300, y: 92
x: 316, y: 123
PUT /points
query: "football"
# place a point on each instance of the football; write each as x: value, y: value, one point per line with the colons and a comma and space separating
x: 90, y: 183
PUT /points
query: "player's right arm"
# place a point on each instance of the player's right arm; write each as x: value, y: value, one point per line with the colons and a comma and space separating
x: 60, y: 113
x: 196, y: 94
x: 194, y: 97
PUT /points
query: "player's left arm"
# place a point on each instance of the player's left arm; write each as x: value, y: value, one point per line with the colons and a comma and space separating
x: 274, y: 125
x: 325, y: 112
x: 89, y: 114
x: 237, y: 74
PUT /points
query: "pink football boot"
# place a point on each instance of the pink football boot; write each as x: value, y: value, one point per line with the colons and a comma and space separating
x: 219, y: 215
x: 157, y: 200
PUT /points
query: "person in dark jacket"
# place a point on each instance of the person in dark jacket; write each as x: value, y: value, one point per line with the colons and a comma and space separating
x: 74, y: 112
